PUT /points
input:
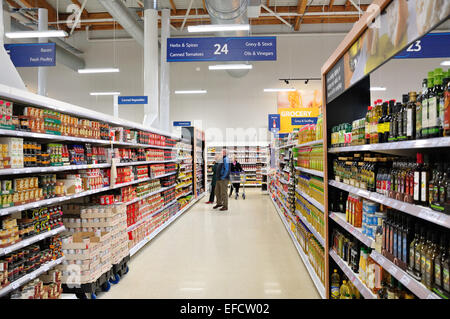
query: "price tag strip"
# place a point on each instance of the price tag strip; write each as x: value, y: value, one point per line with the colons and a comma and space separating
x: 416, y: 287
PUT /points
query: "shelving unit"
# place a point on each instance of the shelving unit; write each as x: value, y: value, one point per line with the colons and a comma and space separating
x: 285, y: 178
x: 184, y: 200
x: 246, y: 154
x: 346, y: 93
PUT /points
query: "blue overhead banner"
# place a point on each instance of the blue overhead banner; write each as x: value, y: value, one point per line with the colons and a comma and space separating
x: 222, y: 49
x: 303, y: 120
x: 182, y: 123
x: 274, y: 123
x: 32, y: 54
x: 432, y: 45
x: 132, y: 100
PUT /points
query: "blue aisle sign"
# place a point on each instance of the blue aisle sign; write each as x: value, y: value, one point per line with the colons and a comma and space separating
x: 274, y: 123
x: 182, y: 123
x: 432, y: 45
x: 133, y: 100
x: 32, y: 54
x: 303, y: 120
x: 222, y: 49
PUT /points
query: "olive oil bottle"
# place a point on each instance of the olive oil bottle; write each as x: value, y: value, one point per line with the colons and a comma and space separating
x: 419, y: 108
x: 425, y: 105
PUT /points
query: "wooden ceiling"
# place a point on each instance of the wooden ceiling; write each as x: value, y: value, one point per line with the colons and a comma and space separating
x: 178, y: 14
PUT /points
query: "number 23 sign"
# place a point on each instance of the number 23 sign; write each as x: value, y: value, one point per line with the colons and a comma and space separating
x: 222, y: 49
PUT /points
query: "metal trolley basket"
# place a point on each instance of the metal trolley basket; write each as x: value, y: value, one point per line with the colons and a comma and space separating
x: 238, y: 177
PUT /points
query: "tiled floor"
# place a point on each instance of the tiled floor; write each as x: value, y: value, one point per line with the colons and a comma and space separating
x: 243, y: 253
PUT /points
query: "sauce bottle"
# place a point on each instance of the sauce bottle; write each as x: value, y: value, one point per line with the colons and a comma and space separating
x: 387, y: 120
x: 417, y: 176
x: 412, y: 248
x: 411, y: 116
x: 424, y: 180
x: 418, y: 252
x: 425, y: 105
x: 429, y: 261
x: 419, y: 108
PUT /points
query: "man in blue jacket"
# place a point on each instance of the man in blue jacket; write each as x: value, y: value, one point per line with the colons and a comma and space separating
x: 223, y: 178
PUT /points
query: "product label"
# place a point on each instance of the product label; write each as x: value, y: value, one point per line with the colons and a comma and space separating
x: 416, y: 186
x: 428, y: 271
x: 423, y: 187
x: 335, y: 292
x: 425, y: 115
x: 433, y: 118
x: 422, y: 265
x: 418, y: 118
x: 441, y: 109
x: 399, y: 245
x: 437, y: 274
x: 395, y: 245
x: 411, y: 257
x: 417, y: 261
x: 445, y: 279
x: 409, y: 122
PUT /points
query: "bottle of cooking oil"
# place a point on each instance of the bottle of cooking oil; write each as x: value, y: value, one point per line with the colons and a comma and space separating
x: 345, y: 291
x: 335, y: 281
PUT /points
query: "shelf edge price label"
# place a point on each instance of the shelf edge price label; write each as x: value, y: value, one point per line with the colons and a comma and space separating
x: 405, y: 280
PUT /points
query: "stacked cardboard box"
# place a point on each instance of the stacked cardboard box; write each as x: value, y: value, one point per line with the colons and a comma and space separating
x: 87, y: 257
x: 12, y: 150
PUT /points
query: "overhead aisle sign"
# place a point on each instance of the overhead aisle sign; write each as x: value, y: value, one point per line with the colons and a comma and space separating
x: 432, y: 45
x: 132, y: 100
x: 222, y: 49
x: 32, y: 54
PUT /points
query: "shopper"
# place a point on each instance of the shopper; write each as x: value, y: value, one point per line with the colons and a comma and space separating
x: 235, y: 170
x: 217, y: 158
x: 223, y: 178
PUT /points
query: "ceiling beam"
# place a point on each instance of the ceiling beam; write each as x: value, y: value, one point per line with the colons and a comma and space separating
x: 84, y: 13
x: 301, y: 8
x: 330, y: 5
x: 41, y: 4
x: 174, y: 7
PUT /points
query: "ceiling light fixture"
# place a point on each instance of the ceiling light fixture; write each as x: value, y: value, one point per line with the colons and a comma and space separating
x: 99, y: 70
x: 377, y: 88
x: 445, y: 63
x: 279, y: 90
x: 218, y: 27
x: 191, y: 92
x: 231, y: 67
x: 36, y: 34
x: 104, y: 93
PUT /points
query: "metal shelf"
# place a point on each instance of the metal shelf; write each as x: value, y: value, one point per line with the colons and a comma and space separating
x: 311, y: 228
x: 31, y: 240
x: 319, y: 285
x: 147, y: 195
x: 28, y: 277
x: 340, y: 219
x: 409, y: 282
x: 414, y: 144
x: 49, y: 169
x: 354, y: 278
x: 309, y: 143
x: 310, y: 171
x: 142, y: 243
x: 146, y: 162
x: 421, y: 212
x: 310, y: 199
x: 46, y: 202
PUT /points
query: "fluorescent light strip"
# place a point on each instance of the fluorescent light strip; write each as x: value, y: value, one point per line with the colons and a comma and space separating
x: 231, y: 67
x: 377, y: 88
x: 104, y: 93
x: 218, y: 27
x: 100, y: 70
x: 279, y: 90
x: 445, y: 63
x: 191, y: 92
x: 36, y: 34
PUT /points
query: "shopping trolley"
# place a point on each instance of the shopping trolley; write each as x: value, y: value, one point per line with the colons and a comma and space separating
x: 238, y: 177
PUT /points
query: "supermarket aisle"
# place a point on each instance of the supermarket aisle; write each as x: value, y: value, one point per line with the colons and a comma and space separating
x: 243, y: 253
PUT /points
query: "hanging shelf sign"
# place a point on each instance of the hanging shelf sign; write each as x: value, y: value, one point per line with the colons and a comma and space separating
x: 222, y: 49
x: 32, y: 54
x: 432, y: 45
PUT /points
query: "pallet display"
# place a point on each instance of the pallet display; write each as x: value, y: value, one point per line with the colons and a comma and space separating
x: 253, y: 158
x: 387, y: 225
x: 57, y: 156
x: 296, y: 189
